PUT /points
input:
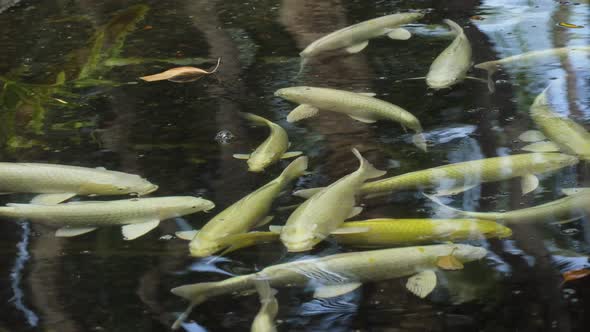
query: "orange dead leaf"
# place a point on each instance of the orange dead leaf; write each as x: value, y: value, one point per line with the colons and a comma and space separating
x: 181, y: 74
x: 477, y: 17
x: 575, y: 275
x: 569, y: 25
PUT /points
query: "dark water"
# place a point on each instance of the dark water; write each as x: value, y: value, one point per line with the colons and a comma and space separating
x: 167, y: 133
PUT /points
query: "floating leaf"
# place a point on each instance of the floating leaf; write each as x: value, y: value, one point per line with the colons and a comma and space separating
x: 181, y: 74
x: 575, y: 275
x: 570, y: 26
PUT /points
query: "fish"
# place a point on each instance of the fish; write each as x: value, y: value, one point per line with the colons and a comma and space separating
x: 355, y: 38
x: 249, y: 212
x: 525, y: 58
x: 456, y: 178
x: 451, y: 66
x: 323, y: 213
x: 57, y: 183
x: 572, y: 207
x: 339, y: 274
x: 137, y: 216
x: 564, y: 134
x: 359, y: 106
x: 271, y: 150
x: 181, y: 74
x: 385, y: 232
x: 269, y: 307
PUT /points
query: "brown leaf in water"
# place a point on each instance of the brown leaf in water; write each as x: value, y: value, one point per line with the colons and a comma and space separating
x: 575, y: 275
x: 570, y: 25
x: 181, y: 74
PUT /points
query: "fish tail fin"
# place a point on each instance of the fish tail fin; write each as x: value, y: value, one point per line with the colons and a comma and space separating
x: 295, y: 169
x: 266, y: 293
x: 196, y: 294
x: 7, y: 211
x: 302, y: 64
x: 454, y: 26
x: 368, y: 170
x: 256, y: 119
x: 437, y: 201
x: 541, y: 99
x: 490, y: 67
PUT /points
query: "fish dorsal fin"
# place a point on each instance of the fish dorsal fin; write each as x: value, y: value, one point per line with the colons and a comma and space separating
x: 350, y: 230
x: 335, y: 290
x: 545, y: 146
x: 531, y: 136
x: 357, y: 47
x: 100, y: 168
x: 449, y: 262
x: 399, y: 34
x: 367, y: 94
x: 529, y: 183
x: 73, y: 231
x: 422, y: 283
x: 242, y: 156
x: 301, y: 112
x: 291, y: 154
x: 355, y: 211
x: 264, y: 221
x: 307, y: 193
x: 275, y: 229
x: 369, y: 170
x: 51, y: 199
x: 186, y: 235
x: 135, y: 230
x: 362, y: 119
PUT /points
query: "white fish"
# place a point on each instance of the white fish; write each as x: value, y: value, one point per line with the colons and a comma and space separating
x: 269, y: 307
x: 137, y: 216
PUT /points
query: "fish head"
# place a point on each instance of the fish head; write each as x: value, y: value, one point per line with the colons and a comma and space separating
x: 491, y: 229
x: 441, y: 79
x: 200, y: 247
x: 297, y: 94
x: 119, y: 184
x: 298, y: 239
x: 467, y: 253
x: 259, y: 161
x: 177, y: 206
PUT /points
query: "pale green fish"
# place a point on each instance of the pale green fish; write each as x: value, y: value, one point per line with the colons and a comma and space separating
x: 355, y: 38
x: 451, y: 66
x: 247, y: 213
x: 271, y: 150
x: 565, y: 135
x: 455, y: 178
x: 359, y: 106
x: 572, y: 207
x: 137, y: 216
x: 525, y: 59
x: 58, y: 183
x: 117, y: 62
x: 269, y: 307
x: 387, y: 232
x: 339, y: 274
x: 323, y: 213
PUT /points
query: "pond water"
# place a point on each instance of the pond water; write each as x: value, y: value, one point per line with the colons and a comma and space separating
x: 69, y: 99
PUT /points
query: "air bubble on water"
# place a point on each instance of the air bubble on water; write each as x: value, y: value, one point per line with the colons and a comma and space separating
x: 166, y: 237
x: 501, y: 81
x: 224, y: 136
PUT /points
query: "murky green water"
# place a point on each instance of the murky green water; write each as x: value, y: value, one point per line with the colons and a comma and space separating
x: 64, y: 101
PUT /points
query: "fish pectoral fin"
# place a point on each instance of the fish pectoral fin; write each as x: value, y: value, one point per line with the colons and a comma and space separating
x: 545, y: 146
x: 529, y: 183
x: 422, y: 284
x: 307, y: 193
x: 264, y: 221
x: 449, y: 262
x: 367, y: 94
x: 51, y: 199
x: 275, y: 229
x: 531, y: 136
x: 301, y: 112
x: 135, y: 230
x: 350, y: 230
x: 73, y: 231
x: 399, y: 34
x: 476, y: 79
x: 335, y: 290
x: 420, y: 142
x: 186, y: 235
x: 362, y: 119
x: 291, y: 154
x: 357, y: 47
x: 455, y: 190
x: 573, y: 191
x: 355, y: 211
x: 242, y: 156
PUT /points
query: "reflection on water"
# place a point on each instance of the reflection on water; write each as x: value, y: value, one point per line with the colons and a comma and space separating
x: 69, y: 94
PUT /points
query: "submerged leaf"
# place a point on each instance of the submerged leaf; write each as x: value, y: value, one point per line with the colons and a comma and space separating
x: 570, y: 26
x: 575, y: 275
x: 181, y: 74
